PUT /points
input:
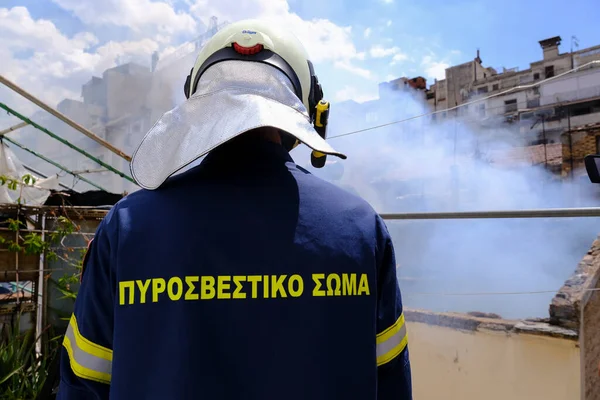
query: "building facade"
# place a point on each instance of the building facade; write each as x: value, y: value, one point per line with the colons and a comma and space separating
x: 543, y: 110
x: 536, y: 106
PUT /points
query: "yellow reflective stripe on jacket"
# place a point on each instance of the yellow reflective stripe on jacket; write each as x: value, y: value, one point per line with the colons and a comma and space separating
x: 392, y: 341
x: 88, y: 360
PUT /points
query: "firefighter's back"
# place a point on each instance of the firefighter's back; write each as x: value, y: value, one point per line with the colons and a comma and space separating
x: 245, y: 278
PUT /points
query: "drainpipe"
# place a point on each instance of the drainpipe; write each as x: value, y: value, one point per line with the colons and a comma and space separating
x: 544, y: 139
x: 570, y: 141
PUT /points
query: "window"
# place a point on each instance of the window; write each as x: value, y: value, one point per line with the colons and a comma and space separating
x: 585, y: 108
x: 483, y: 89
x: 549, y: 71
x: 495, y: 86
x: 510, y: 106
x: 533, y: 103
x: 536, y: 76
x: 482, y: 110
x: 577, y: 111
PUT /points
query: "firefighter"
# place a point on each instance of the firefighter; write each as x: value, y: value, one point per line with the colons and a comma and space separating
x: 234, y: 273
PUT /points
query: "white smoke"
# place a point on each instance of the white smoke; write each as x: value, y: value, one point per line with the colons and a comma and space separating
x: 422, y: 165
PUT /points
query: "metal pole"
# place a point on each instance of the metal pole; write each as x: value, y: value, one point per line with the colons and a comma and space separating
x: 63, y: 118
x: 13, y: 128
x: 57, y: 165
x: 40, y: 290
x: 535, y: 213
x: 544, y: 139
x: 66, y: 142
x: 90, y: 171
x: 570, y: 141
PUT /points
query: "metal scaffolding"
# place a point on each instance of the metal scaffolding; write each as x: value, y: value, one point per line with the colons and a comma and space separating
x: 65, y: 142
x: 57, y: 165
x: 62, y: 117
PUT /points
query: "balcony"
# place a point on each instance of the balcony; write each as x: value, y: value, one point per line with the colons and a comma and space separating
x: 572, y: 95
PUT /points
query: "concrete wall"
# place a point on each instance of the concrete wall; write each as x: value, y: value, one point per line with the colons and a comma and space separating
x: 459, y: 80
x: 590, y: 323
x: 464, y: 358
x: 591, y: 343
x: 586, y: 55
x: 577, y: 306
x: 481, y: 72
x: 581, y: 85
x: 126, y: 90
x: 561, y: 64
x: 496, y: 106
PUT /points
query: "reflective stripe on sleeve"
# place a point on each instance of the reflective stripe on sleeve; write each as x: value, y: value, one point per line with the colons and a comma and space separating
x: 391, y: 342
x: 88, y: 360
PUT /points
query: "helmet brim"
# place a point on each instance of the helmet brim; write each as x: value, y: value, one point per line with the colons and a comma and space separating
x: 215, y: 115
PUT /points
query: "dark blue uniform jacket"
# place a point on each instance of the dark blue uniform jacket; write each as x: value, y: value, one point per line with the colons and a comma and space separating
x: 245, y: 278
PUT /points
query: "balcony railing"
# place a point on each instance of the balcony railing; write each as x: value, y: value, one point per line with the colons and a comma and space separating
x: 572, y: 95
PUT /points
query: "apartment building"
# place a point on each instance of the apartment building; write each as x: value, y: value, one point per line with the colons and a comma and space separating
x: 543, y: 110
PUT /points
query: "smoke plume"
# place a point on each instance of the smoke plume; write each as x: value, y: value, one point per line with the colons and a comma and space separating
x: 423, y: 165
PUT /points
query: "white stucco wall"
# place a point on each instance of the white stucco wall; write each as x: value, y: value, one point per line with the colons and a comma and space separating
x: 453, y: 364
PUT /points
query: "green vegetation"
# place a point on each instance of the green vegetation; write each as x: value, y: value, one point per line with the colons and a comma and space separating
x: 23, y: 370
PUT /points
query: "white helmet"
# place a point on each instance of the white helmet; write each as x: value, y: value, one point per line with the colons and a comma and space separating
x: 255, y: 40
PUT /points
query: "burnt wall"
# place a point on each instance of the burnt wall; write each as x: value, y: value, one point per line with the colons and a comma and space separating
x: 577, y: 306
x: 591, y: 342
x: 565, y: 309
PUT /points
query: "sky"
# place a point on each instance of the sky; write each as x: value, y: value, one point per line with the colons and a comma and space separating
x: 52, y: 47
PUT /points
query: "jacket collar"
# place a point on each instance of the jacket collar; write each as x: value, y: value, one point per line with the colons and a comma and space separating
x: 247, y: 152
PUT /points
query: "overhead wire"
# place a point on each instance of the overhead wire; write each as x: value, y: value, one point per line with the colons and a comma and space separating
x: 516, y: 88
